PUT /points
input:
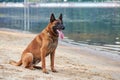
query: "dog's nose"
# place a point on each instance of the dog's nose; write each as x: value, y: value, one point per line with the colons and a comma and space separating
x: 63, y: 28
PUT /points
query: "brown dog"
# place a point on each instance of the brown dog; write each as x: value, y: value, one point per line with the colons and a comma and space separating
x: 42, y: 45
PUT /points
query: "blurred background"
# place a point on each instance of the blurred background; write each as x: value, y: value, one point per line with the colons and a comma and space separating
x: 93, y: 22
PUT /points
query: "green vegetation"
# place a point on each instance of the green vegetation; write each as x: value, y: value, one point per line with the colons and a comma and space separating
x: 11, y: 0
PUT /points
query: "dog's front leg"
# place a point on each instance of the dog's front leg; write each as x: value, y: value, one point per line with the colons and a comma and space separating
x: 43, y: 54
x: 52, y: 56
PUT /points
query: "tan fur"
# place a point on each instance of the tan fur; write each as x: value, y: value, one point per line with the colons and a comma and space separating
x: 42, y: 45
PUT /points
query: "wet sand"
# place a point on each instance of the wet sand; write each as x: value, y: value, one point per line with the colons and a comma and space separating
x: 72, y: 62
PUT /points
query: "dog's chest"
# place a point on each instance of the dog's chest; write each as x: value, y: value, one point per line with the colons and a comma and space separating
x: 52, y: 45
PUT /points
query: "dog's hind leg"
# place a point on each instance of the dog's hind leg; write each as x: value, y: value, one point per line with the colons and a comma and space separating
x: 27, y: 61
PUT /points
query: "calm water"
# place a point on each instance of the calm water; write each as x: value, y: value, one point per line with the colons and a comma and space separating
x: 86, y: 25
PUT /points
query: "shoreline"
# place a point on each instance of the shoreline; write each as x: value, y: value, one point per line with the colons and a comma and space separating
x: 96, y: 50
x: 72, y: 62
x: 66, y: 41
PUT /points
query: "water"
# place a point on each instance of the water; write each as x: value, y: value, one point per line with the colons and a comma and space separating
x: 89, y: 25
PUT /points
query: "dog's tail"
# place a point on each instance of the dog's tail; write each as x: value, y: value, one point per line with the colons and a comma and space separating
x: 16, y: 63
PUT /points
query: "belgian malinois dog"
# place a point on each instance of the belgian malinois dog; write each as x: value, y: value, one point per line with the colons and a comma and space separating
x: 43, y: 44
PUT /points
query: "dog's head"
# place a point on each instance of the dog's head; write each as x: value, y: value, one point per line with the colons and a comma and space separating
x: 57, y: 25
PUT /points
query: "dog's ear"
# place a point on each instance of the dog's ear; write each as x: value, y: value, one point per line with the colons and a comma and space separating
x: 52, y: 18
x: 60, y: 17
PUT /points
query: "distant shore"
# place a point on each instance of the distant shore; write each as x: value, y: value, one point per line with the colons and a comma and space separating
x: 66, y: 4
x: 73, y: 62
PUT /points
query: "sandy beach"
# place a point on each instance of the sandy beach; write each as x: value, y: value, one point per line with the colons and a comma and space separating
x: 72, y: 62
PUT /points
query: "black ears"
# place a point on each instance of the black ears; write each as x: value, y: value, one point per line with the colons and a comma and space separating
x: 60, y: 17
x: 52, y: 18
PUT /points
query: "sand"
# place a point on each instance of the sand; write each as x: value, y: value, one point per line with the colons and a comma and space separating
x: 71, y: 62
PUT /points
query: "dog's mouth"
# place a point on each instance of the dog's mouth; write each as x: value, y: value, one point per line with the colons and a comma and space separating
x: 61, y: 34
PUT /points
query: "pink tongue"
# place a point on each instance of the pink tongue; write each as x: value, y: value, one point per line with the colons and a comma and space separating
x: 61, y: 35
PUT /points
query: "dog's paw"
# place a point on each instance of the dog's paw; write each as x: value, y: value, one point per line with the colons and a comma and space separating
x: 45, y: 71
x: 31, y: 68
x: 37, y: 67
x: 54, y: 70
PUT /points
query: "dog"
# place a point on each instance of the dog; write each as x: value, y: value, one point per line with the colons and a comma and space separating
x: 42, y: 45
